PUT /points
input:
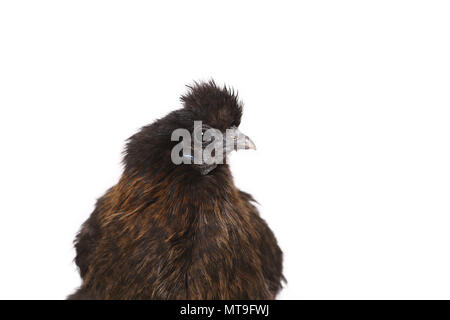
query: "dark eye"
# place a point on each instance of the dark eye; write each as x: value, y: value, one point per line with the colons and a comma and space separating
x: 204, y: 128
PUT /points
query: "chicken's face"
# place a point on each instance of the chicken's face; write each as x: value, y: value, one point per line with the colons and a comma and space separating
x: 215, y: 115
x: 198, y: 137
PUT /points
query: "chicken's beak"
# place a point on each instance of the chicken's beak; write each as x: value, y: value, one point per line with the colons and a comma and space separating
x: 242, y: 142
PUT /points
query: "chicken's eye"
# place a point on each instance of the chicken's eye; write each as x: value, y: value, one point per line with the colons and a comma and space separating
x: 204, y: 129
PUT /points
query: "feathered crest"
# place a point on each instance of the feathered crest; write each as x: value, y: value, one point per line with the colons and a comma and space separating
x: 209, y: 100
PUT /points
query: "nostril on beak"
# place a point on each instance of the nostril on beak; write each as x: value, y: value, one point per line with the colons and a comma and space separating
x: 242, y: 142
x: 236, y: 140
x: 249, y: 144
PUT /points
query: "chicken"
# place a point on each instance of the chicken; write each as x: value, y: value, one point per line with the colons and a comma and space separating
x: 180, y: 231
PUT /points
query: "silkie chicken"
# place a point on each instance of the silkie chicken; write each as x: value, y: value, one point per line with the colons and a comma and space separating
x: 179, y: 231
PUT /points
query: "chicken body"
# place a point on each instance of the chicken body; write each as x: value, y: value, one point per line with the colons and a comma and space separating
x: 168, y: 232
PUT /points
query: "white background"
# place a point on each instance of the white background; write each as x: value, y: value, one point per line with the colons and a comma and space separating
x: 347, y: 101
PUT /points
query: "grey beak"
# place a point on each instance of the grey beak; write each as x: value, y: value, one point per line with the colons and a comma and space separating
x: 243, y: 142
